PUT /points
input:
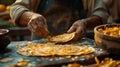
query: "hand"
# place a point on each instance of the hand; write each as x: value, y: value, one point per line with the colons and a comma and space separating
x: 37, y: 25
x: 79, y: 27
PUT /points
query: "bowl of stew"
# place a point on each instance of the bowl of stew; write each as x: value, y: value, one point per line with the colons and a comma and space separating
x: 107, y: 37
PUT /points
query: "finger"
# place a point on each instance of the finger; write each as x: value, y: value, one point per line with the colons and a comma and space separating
x: 41, y: 18
x: 38, y: 32
x: 33, y: 24
x: 44, y: 19
x: 80, y: 32
x: 46, y: 29
x: 40, y: 23
x: 41, y: 32
x: 30, y: 27
x: 43, y: 27
x: 44, y: 32
x: 72, y: 29
x: 34, y: 27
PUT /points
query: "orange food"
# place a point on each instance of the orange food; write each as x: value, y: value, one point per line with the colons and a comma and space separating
x: 111, y: 31
x: 107, y: 62
x: 2, y: 7
x: 63, y: 38
x: 8, y: 8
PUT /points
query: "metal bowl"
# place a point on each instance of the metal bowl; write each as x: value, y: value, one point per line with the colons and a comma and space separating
x: 107, y: 42
x: 4, y: 39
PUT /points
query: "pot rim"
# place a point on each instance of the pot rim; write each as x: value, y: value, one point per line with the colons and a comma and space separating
x: 5, y: 31
x: 104, y: 35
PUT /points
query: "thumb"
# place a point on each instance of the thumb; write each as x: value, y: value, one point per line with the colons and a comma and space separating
x: 72, y: 29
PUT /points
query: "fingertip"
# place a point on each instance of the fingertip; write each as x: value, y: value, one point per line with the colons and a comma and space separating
x: 72, y: 29
x: 68, y: 31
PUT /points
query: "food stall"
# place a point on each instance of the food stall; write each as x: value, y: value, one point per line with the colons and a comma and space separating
x: 100, y: 48
x: 7, y: 23
x: 67, y: 53
x: 10, y: 57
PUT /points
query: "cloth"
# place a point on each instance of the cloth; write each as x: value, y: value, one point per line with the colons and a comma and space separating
x: 113, y: 8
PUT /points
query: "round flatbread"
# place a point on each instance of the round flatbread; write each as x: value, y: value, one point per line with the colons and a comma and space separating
x: 52, y: 50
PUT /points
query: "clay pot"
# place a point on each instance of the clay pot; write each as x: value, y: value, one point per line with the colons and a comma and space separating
x: 4, y: 39
x: 107, y: 42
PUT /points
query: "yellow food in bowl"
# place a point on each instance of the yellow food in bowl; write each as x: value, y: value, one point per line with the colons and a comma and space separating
x: 108, y: 37
x: 111, y: 31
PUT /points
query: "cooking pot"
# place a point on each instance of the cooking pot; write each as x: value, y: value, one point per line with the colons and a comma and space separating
x: 106, y: 41
x: 4, y: 39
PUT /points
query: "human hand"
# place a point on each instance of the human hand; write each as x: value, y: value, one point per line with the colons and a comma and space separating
x: 37, y: 25
x: 79, y: 27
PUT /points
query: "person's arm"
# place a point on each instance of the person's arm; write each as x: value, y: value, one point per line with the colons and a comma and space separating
x: 17, y: 9
x: 24, y: 17
x: 23, y: 9
x: 80, y: 26
x: 92, y: 21
x: 101, y: 11
x: 99, y: 16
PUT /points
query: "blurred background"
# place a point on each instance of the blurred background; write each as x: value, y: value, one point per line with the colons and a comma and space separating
x: 7, y: 23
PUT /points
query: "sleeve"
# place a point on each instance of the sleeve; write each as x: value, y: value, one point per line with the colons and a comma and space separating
x: 101, y: 10
x: 18, y: 8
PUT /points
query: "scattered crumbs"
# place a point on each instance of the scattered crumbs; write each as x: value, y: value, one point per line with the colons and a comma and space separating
x: 68, y: 56
x: 11, y: 65
x: 92, y: 55
x: 32, y: 64
x: 20, y: 59
x: 38, y: 59
x: 82, y: 59
x: 51, y: 59
x: 76, y: 57
x: 22, y: 63
x: 61, y: 58
x: 72, y: 59
x: 6, y: 59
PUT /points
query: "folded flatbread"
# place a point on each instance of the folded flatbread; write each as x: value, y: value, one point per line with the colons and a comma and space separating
x: 63, y: 38
x: 51, y: 50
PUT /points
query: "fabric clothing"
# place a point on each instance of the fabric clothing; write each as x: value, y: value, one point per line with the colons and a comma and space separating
x: 113, y: 8
x: 44, y: 5
x: 24, y: 5
x: 60, y: 15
